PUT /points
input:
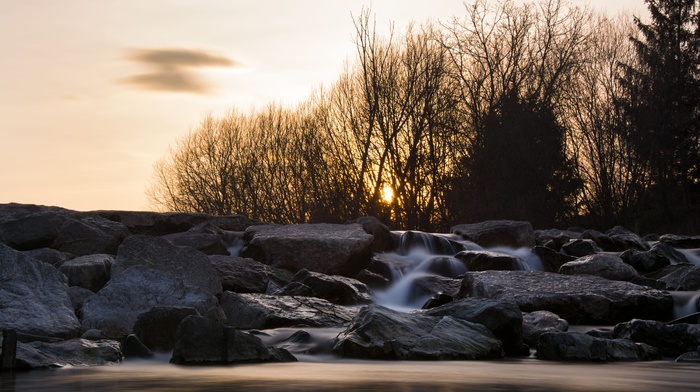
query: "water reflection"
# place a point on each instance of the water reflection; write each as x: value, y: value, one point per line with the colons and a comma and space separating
x: 506, y: 375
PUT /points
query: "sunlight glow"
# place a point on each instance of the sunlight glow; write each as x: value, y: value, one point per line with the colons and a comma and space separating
x: 387, y: 194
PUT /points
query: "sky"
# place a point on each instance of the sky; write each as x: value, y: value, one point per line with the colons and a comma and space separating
x: 93, y: 93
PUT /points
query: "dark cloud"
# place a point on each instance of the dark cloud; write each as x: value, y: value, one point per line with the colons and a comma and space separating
x: 174, y: 70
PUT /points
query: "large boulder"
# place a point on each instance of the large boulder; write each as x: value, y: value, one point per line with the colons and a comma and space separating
x: 482, y: 260
x: 205, y: 237
x: 262, y: 311
x: 671, y: 339
x: 625, y: 239
x: 551, y: 259
x: 34, y: 297
x: 381, y: 333
x: 497, y: 233
x: 685, y: 277
x: 539, y: 322
x: 336, y: 289
x: 68, y: 353
x: 201, y: 341
x: 575, y: 346
x: 243, y: 275
x: 605, y: 265
x: 435, y: 244
x: 157, y: 328
x: 327, y: 248
x: 157, y: 224
x: 63, y: 230
x: 580, y: 299
x: 186, y: 263
x: 681, y: 241
x: 383, y: 240
x: 580, y: 247
x: 115, y: 308
x: 90, y: 272
x: 659, y: 256
x: 49, y: 256
x: 502, y: 318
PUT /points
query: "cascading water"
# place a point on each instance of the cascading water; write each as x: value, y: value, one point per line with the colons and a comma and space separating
x: 684, y: 303
x: 419, y: 256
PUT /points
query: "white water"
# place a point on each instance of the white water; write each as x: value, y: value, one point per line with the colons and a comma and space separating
x: 684, y: 303
x: 692, y: 255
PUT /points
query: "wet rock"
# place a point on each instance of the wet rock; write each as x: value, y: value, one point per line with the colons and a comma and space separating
x: 90, y: 272
x: 262, y: 311
x: 551, y: 259
x: 114, y: 309
x: 689, y: 357
x: 580, y: 248
x: 186, y: 263
x: 497, y: 233
x: 133, y: 348
x: 438, y: 299
x: 482, y: 260
x: 429, y: 285
x: 157, y: 328
x: 74, y: 352
x: 205, y: 237
x: 335, y: 289
x: 202, y: 341
x: 326, y: 248
x: 605, y: 265
x: 681, y: 241
x: 574, y: 346
x: 671, y: 340
x: 34, y: 297
x: 383, y: 241
x: 539, y: 322
x: 373, y: 280
x: 502, y: 318
x: 686, y: 277
x: 241, y: 275
x: 380, y: 333
x: 158, y: 224
x: 410, y: 240
x: 580, y: 299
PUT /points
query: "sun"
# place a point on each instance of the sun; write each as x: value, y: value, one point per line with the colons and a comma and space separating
x: 387, y: 194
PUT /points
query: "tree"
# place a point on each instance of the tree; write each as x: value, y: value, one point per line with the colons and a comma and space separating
x: 663, y: 102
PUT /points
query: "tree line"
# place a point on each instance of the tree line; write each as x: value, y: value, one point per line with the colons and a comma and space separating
x: 543, y: 112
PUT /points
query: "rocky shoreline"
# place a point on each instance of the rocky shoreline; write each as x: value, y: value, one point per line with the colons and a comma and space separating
x: 91, y: 288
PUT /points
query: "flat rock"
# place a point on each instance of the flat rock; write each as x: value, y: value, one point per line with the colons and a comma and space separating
x: 497, y: 233
x: 605, y: 265
x: 34, y: 297
x: 574, y: 346
x: 262, y: 311
x: 115, y: 308
x: 580, y: 299
x: 671, y: 339
x: 326, y: 248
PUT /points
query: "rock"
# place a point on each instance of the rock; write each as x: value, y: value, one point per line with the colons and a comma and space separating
x: 580, y: 248
x: 188, y: 264
x: 157, y: 328
x: 502, y: 318
x: 603, y: 241
x: 92, y: 334
x: 34, y: 297
x: 78, y: 296
x: 49, y: 256
x: 63, y: 230
x: 429, y: 285
x: 438, y: 299
x: 326, y: 248
x: 574, y: 346
x: 671, y: 340
x: 551, y: 259
x: 689, y: 357
x: 625, y: 239
x: 205, y: 237
x: 681, y: 241
x: 605, y: 265
x: 133, y: 348
x: 482, y: 260
x: 90, y: 272
x: 335, y: 289
x: 539, y: 322
x: 684, y: 278
x: 202, y: 341
x: 410, y: 240
x: 242, y: 275
x: 383, y: 241
x: 373, y: 280
x: 115, y: 308
x: 158, y: 224
x: 659, y: 256
x: 580, y: 299
x: 381, y: 333
x: 262, y: 311
x: 555, y: 238
x: 74, y: 352
x: 497, y: 233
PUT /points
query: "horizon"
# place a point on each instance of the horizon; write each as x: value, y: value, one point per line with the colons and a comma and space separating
x: 95, y: 93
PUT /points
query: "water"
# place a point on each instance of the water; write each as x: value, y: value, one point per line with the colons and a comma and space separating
x: 684, y: 303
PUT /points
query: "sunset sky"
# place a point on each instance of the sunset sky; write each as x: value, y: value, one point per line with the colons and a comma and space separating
x: 92, y: 93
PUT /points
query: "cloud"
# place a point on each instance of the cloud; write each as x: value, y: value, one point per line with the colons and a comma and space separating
x: 174, y: 70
